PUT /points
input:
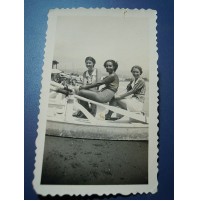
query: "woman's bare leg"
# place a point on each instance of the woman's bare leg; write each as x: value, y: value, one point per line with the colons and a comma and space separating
x: 117, y: 103
x: 92, y: 95
x: 113, y: 102
x: 122, y: 104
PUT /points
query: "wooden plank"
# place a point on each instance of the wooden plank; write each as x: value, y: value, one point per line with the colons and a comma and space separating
x: 86, y: 113
x: 56, y: 104
x: 126, y: 113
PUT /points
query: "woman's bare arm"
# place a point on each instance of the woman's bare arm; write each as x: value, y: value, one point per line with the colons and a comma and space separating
x: 106, y: 80
x: 135, y: 88
x: 84, y: 78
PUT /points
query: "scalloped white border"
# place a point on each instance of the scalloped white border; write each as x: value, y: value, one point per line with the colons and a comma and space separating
x: 53, y: 190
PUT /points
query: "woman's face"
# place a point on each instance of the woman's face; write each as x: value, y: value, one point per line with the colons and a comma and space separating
x: 109, y: 67
x: 89, y: 64
x: 136, y: 73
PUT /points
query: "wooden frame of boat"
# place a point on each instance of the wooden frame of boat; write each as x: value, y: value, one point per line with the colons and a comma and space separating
x: 132, y: 126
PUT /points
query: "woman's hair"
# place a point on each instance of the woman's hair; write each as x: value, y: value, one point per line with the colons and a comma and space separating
x: 115, y: 64
x: 138, y: 67
x: 90, y: 59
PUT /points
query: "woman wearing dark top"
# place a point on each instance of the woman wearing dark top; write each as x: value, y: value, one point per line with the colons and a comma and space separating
x: 133, y: 99
x: 111, y: 83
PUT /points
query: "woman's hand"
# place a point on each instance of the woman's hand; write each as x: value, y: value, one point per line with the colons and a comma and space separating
x: 129, y: 87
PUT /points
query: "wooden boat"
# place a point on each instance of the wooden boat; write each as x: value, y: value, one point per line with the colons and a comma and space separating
x: 61, y: 122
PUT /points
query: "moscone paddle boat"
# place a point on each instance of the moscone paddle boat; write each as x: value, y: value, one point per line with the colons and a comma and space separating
x: 62, y: 123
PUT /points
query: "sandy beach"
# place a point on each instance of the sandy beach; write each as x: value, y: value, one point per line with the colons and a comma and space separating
x: 78, y: 161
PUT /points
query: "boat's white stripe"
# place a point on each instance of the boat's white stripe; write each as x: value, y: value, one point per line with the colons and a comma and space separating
x: 100, y: 123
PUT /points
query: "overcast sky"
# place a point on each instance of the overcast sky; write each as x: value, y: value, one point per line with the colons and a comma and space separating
x: 123, y: 39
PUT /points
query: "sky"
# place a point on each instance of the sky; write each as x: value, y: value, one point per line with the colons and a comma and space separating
x: 123, y: 39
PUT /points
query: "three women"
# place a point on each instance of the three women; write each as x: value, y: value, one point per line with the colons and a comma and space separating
x: 132, y: 100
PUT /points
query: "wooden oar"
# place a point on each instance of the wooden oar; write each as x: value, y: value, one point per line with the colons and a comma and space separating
x: 126, y: 113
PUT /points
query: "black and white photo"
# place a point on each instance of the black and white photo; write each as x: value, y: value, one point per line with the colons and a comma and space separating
x: 98, y: 121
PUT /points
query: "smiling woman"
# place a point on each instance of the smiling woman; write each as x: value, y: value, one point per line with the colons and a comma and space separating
x: 111, y: 83
x: 89, y: 77
x: 133, y: 99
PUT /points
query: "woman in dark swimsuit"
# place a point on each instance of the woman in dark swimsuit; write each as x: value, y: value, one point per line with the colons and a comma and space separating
x: 111, y: 83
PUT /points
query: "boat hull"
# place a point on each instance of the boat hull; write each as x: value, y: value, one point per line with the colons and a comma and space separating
x: 101, y: 132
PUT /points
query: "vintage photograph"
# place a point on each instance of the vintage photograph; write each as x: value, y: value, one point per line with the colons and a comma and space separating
x: 98, y: 121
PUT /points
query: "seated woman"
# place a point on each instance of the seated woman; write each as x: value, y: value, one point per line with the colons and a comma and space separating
x: 90, y: 76
x: 111, y: 83
x: 133, y: 99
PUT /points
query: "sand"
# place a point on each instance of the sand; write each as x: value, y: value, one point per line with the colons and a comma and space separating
x: 80, y: 161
